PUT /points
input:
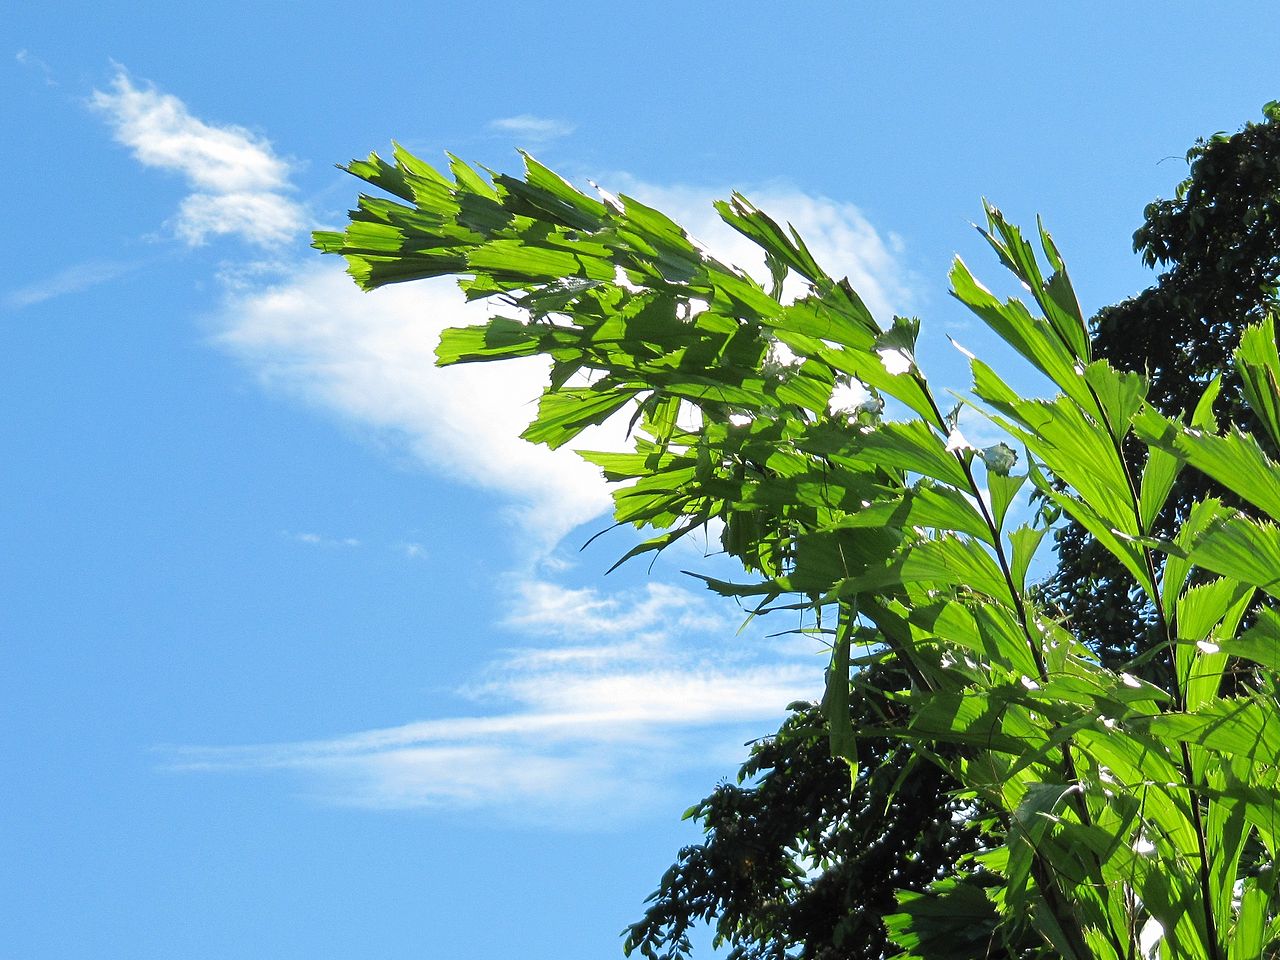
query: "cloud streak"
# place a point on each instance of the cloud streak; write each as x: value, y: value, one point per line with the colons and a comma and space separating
x: 320, y: 540
x: 532, y: 128
x: 240, y: 187
x: 73, y: 279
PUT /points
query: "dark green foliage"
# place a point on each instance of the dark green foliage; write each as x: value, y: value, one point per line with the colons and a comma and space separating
x: 797, y: 865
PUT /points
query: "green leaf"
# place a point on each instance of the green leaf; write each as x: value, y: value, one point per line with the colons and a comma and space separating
x: 1157, y: 481
x: 1258, y: 363
x: 1070, y: 442
x: 1033, y: 816
x: 576, y: 208
x: 468, y: 180
x: 564, y: 414
x: 1242, y: 728
x: 501, y: 337
x: 1177, y: 566
x: 983, y: 719
x: 1259, y: 644
x: 1250, y: 933
x: 1055, y: 297
x: 1032, y: 337
x: 529, y: 263
x: 925, y: 504
x: 910, y: 446
x: 1118, y: 394
x: 1235, y: 459
x: 751, y: 222
x: 1025, y: 540
x: 953, y: 921
x: 957, y: 562
x: 1202, y: 417
x: 835, y: 701
x: 1200, y: 610
x: 1123, y: 547
x: 1003, y: 488
x: 1241, y: 548
x: 988, y: 630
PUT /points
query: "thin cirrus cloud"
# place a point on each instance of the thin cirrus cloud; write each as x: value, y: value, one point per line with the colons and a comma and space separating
x: 239, y: 185
x: 73, y: 279
x: 28, y: 59
x: 320, y: 540
x: 590, y: 729
x: 547, y: 608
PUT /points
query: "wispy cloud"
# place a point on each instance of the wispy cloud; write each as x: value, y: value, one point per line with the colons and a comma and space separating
x: 240, y: 186
x: 589, y: 729
x: 531, y: 128
x: 546, y: 607
x: 73, y: 279
x: 30, y: 60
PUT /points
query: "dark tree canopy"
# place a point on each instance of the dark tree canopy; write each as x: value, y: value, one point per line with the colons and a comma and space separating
x: 1218, y: 243
x: 791, y: 809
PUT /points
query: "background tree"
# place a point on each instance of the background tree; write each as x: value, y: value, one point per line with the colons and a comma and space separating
x: 1218, y: 244
x: 795, y: 861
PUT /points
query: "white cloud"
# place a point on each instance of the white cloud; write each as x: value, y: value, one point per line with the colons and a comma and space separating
x: 589, y: 730
x: 239, y: 183
x: 369, y: 358
x: 267, y: 219
x: 531, y: 128
x: 632, y: 690
x: 547, y: 607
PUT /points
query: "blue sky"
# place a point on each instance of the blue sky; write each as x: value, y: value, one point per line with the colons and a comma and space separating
x: 298, y: 655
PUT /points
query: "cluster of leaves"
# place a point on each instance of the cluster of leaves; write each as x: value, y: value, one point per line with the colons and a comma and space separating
x: 1218, y: 245
x: 1123, y: 818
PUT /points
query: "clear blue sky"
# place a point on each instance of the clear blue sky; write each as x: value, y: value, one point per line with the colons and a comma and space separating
x: 298, y: 658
